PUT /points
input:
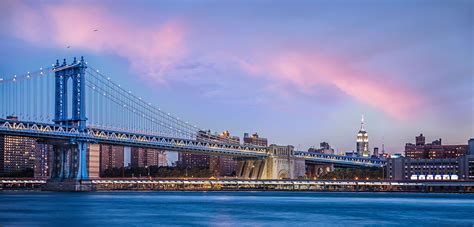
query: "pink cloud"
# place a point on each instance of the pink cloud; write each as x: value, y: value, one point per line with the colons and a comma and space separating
x: 305, y: 71
x: 151, y: 49
x: 156, y: 48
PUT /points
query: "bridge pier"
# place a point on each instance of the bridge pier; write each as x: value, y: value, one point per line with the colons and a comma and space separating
x: 69, y: 171
x: 281, y: 163
x: 82, y: 161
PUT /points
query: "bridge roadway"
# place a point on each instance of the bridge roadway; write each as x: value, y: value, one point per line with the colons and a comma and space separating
x: 340, y: 161
x: 95, y: 135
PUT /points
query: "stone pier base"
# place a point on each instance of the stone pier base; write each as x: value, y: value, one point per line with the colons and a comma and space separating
x: 69, y: 186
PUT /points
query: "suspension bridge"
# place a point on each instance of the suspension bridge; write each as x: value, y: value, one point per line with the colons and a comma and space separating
x: 73, y: 105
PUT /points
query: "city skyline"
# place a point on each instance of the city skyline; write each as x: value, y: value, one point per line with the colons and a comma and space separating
x: 310, y: 82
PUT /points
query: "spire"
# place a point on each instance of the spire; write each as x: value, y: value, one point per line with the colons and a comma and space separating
x: 383, y: 145
x: 362, y: 123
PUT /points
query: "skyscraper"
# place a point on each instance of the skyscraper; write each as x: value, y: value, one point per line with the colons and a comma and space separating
x: 433, y: 150
x: 111, y: 156
x: 470, y: 147
x: 43, y: 160
x: 17, y: 154
x: 362, y: 141
x: 376, y: 152
x: 420, y: 140
x: 218, y: 165
x: 255, y: 140
x: 93, y: 160
x: 142, y: 157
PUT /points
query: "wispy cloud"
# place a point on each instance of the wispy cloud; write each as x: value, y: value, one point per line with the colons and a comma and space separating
x: 151, y: 49
x: 176, y: 49
x: 307, y: 71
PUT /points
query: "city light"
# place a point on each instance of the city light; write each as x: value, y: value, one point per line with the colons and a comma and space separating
x: 273, y: 102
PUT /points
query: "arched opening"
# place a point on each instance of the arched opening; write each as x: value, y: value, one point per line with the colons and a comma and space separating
x: 283, y: 174
x: 69, y: 97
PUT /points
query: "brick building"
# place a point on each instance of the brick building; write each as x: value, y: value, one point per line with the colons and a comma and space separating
x: 433, y: 150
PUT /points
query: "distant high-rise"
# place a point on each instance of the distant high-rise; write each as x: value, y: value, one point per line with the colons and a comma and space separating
x: 471, y: 147
x: 142, y: 157
x: 43, y: 160
x: 433, y: 150
x: 255, y: 140
x: 376, y: 152
x: 324, y: 148
x: 111, y: 156
x: 420, y: 140
x: 383, y: 150
x: 93, y: 160
x: 362, y: 141
x: 218, y: 165
x: 16, y: 154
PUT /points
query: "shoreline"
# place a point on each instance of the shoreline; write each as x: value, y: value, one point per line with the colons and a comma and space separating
x: 239, y: 185
x: 240, y: 190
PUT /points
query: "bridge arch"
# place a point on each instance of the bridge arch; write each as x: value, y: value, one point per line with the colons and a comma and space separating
x: 283, y: 174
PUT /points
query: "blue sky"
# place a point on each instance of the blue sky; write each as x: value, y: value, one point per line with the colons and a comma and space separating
x: 297, y: 72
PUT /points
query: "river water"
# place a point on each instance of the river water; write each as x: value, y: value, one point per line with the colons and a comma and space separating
x: 235, y: 208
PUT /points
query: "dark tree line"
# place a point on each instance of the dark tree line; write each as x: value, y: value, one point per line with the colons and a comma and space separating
x: 355, y: 173
x: 155, y: 171
x: 28, y: 172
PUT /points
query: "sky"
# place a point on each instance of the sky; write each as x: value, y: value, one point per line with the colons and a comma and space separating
x: 296, y: 72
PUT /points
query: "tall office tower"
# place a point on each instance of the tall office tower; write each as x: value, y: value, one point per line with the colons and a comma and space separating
x: 362, y: 141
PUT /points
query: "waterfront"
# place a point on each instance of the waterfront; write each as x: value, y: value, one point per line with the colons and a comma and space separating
x: 234, y: 208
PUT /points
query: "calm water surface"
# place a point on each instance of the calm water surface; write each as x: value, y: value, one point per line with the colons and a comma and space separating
x: 235, y: 208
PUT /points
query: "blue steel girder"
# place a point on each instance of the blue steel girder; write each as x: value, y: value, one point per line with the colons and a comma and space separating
x: 54, y: 131
x: 75, y: 72
x: 92, y: 135
x: 340, y: 160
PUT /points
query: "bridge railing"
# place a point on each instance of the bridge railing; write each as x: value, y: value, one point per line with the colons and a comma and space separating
x: 341, y: 159
x: 125, y: 138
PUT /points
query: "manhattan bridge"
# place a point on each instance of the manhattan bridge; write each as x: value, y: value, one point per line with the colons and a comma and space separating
x: 73, y: 105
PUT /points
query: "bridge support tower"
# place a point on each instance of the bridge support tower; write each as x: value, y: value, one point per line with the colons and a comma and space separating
x: 69, y: 163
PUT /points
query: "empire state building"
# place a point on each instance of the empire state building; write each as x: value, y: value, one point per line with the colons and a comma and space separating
x: 362, y: 141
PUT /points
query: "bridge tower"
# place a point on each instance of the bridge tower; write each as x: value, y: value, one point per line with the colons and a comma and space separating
x: 70, y: 158
x: 63, y: 73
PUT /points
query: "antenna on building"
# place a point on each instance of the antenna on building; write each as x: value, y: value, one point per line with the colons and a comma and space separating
x: 383, y: 144
x: 362, y: 123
